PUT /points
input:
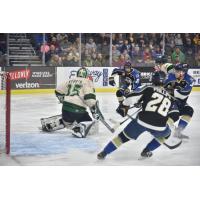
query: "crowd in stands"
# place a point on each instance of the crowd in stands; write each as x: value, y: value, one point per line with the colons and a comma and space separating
x: 143, y: 48
x: 60, y: 49
x: 3, y: 49
x: 94, y: 49
x: 64, y: 49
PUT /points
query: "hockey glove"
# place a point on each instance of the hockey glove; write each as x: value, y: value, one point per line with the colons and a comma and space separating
x: 128, y: 81
x: 94, y: 112
x: 126, y: 91
x: 111, y: 81
x: 60, y: 96
x: 138, y: 105
x: 122, y: 110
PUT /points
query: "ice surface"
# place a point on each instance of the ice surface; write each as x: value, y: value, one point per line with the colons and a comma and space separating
x: 29, y: 146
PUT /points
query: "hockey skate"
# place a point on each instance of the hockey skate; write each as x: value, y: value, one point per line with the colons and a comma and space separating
x: 101, y: 155
x: 145, y: 154
x: 178, y: 133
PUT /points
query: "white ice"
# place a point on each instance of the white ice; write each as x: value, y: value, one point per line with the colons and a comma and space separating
x: 29, y: 146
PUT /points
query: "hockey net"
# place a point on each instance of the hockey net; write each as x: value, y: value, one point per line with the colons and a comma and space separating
x: 4, y: 112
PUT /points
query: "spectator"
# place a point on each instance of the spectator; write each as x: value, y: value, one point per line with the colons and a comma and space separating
x: 77, y: 43
x: 178, y: 56
x: 67, y: 60
x: 157, y: 52
x: 138, y: 54
x: 44, y: 48
x: 188, y: 44
x: 120, y: 62
x: 190, y: 56
x: 88, y: 62
x: 147, y: 55
x: 72, y: 37
x: 196, y: 41
x: 94, y: 56
x: 151, y: 45
x: 126, y: 46
x: 141, y: 40
x: 178, y: 40
x: 126, y: 55
x: 65, y: 45
x: 70, y: 60
x: 99, y: 62
x: 197, y: 59
x: 115, y: 53
x: 55, y: 61
x: 120, y: 39
x: 131, y: 40
x: 90, y: 44
x: 105, y: 48
x: 55, y: 43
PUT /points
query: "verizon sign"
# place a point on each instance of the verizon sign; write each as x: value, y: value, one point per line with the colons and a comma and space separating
x: 32, y: 77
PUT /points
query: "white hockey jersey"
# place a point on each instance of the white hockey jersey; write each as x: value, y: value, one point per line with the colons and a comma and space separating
x: 79, y: 93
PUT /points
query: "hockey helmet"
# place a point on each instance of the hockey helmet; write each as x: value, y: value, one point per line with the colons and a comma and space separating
x: 180, y: 70
x: 127, y: 67
x: 158, y: 78
x: 162, y: 59
x: 82, y: 72
x: 181, y: 67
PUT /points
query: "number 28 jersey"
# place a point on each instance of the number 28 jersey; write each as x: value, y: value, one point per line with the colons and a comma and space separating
x: 156, y: 104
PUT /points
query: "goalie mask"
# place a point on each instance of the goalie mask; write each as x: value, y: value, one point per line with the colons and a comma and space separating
x: 82, y: 72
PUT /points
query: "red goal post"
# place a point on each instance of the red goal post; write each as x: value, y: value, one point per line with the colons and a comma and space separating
x: 5, y: 97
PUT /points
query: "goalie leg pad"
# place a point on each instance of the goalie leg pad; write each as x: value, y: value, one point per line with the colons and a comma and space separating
x: 82, y: 129
x: 53, y: 123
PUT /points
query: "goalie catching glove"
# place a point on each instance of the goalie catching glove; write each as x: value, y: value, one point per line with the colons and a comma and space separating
x: 122, y: 110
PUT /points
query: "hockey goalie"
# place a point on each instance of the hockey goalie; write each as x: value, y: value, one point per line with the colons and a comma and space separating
x: 76, y: 95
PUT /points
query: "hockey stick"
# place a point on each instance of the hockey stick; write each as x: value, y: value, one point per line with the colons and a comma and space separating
x: 118, y: 124
x: 173, y: 146
x: 165, y: 144
x: 102, y: 119
x: 112, y: 130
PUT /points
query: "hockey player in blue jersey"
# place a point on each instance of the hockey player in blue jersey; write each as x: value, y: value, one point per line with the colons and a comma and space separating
x: 180, y: 84
x: 156, y: 106
x: 130, y: 79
